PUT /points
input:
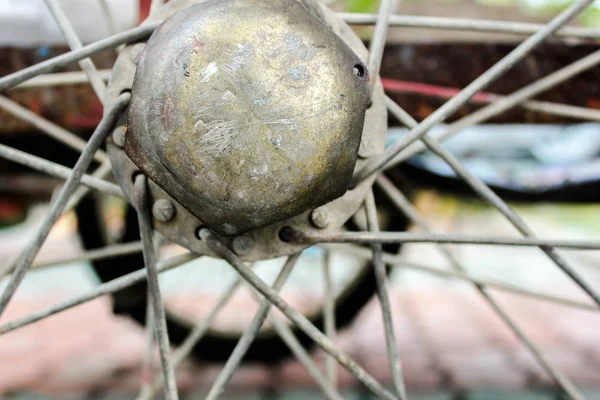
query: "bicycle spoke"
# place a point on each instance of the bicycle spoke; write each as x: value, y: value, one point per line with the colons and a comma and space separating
x: 288, y: 337
x: 139, y: 33
x: 329, y: 316
x: 545, y: 107
x: 155, y: 5
x: 398, y: 261
x: 562, y: 380
x: 504, y: 103
x: 112, y: 251
x: 200, y: 329
x: 158, y: 311
x: 108, y: 16
x: 472, y: 25
x: 86, y: 64
x: 147, y: 359
x: 57, y: 170
x: 242, y: 346
x: 417, y: 237
x: 493, y: 199
x: 106, y: 288
x: 62, y: 135
x: 386, y: 8
x: 563, y: 110
x: 27, y: 256
x: 92, y: 255
x: 61, y: 78
x: 379, y: 162
x: 102, y: 172
x: 296, y: 317
x: 442, y: 92
x: 78, y: 185
x: 559, y: 377
x: 384, y: 299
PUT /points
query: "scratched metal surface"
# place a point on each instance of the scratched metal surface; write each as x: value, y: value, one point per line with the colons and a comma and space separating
x: 181, y: 228
x: 252, y: 124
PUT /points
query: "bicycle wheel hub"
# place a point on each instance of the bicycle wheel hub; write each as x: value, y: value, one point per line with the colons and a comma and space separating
x: 247, y: 116
x: 247, y: 112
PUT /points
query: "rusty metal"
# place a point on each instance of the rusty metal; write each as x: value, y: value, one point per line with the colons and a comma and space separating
x: 184, y: 225
x: 252, y: 125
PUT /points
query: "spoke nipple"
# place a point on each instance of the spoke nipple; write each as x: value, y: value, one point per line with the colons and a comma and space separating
x: 136, y: 52
x: 163, y: 210
x: 243, y: 244
x: 320, y: 217
x: 118, y: 136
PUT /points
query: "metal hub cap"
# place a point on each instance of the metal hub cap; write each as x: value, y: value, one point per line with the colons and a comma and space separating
x: 247, y: 112
x: 291, y: 142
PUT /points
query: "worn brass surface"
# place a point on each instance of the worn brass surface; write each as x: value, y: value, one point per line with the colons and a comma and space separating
x: 247, y: 112
x: 183, y: 226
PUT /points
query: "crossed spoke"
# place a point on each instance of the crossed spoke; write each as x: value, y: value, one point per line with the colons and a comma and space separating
x: 51, y: 65
x: 25, y: 260
x: 493, y: 199
x: 379, y: 162
x: 404, y: 205
x: 384, y: 299
x: 86, y: 64
x: 503, y: 103
x: 296, y: 317
x: 72, y: 192
x: 106, y: 288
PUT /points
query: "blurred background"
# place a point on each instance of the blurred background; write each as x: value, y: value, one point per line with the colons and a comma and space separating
x: 452, y: 344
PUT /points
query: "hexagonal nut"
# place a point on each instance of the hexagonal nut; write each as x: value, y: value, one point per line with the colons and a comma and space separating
x: 163, y: 210
x: 243, y: 244
x: 320, y: 217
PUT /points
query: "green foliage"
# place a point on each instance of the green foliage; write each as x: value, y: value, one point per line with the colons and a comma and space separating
x: 591, y: 17
x: 498, y: 3
x: 361, y: 6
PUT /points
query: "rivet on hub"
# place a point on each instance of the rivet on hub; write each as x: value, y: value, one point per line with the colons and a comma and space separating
x: 163, y: 210
x: 242, y: 245
x: 320, y: 217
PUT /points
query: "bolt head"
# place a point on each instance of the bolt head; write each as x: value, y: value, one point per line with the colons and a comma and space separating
x: 320, y: 217
x: 243, y: 244
x: 163, y: 210
x: 118, y: 136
